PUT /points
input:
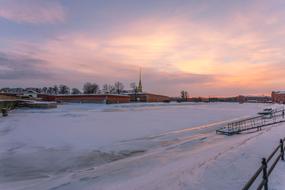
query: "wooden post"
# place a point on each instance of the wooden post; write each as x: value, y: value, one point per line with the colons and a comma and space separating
x: 4, y: 112
x: 282, y: 149
x: 265, y: 177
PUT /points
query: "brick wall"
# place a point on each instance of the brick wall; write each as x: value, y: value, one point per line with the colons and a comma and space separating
x: 111, y: 99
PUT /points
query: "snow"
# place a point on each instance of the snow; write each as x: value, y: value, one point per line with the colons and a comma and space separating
x: 133, y: 146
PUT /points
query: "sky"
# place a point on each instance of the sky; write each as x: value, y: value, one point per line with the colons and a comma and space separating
x: 207, y: 47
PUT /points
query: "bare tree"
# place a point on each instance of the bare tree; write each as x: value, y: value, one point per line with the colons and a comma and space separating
x: 90, y: 88
x: 119, y: 87
x: 134, y: 87
x: 18, y: 90
x: 105, y: 89
x: 112, y: 89
x: 38, y: 90
x: 63, y: 89
x: 5, y: 90
x: 109, y: 89
x: 75, y: 91
x: 50, y: 90
x: 55, y: 89
x: 44, y: 90
x: 184, y: 95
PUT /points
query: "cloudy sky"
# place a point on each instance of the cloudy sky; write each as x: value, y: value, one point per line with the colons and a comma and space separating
x: 208, y: 47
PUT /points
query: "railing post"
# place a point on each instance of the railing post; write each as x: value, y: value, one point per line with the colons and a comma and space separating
x: 282, y: 149
x: 265, y: 177
x: 4, y: 112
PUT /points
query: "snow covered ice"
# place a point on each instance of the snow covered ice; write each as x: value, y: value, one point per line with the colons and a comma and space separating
x: 132, y: 146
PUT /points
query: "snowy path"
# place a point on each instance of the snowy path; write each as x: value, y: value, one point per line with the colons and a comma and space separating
x: 213, y: 165
x: 175, y: 157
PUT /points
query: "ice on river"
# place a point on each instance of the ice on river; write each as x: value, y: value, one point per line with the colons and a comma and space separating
x: 124, y: 146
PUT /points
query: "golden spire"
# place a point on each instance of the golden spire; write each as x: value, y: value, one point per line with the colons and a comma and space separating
x: 140, y: 89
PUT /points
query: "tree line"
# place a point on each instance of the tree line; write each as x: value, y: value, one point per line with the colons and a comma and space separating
x: 88, y: 88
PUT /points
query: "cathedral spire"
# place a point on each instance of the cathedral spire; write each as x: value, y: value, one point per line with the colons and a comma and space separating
x: 140, y: 89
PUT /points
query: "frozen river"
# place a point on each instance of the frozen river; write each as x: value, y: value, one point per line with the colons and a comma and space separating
x: 93, y: 126
x: 37, y: 145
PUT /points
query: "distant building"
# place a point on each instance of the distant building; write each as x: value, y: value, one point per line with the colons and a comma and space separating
x: 30, y: 94
x: 198, y: 99
x: 258, y: 99
x: 240, y: 99
x: 17, y: 91
x: 7, y: 96
x: 278, y: 97
x: 148, y: 97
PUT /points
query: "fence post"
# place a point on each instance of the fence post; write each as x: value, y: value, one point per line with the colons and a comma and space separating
x: 265, y: 177
x: 282, y: 149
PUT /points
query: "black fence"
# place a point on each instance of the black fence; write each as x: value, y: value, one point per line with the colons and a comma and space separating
x: 266, y: 168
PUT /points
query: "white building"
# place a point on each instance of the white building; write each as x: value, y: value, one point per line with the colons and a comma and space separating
x: 30, y: 94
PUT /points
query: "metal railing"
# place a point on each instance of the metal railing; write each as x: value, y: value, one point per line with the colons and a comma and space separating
x: 266, y: 168
x: 258, y: 122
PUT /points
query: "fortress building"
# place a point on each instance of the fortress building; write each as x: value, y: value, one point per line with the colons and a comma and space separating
x: 141, y: 96
x: 138, y: 96
x: 278, y: 97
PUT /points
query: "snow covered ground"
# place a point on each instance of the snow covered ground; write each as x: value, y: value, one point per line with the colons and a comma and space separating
x: 132, y: 146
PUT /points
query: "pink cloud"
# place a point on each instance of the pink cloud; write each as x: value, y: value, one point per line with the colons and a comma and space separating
x: 175, y: 54
x: 32, y: 11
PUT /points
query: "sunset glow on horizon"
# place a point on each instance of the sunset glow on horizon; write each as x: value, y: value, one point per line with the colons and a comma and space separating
x: 209, y: 48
